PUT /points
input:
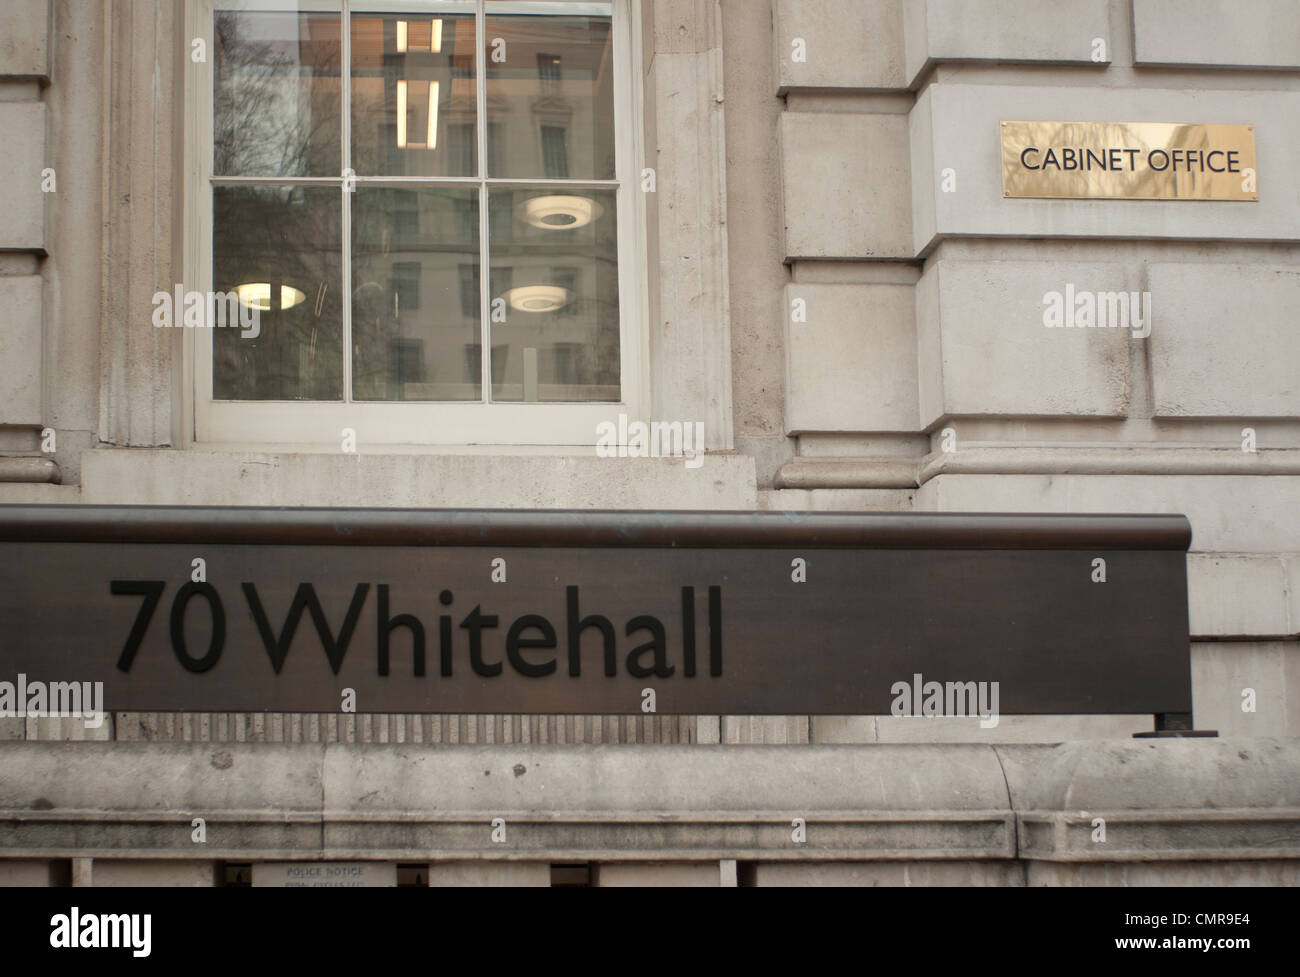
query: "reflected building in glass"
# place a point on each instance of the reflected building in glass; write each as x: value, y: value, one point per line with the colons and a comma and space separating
x: 426, y: 210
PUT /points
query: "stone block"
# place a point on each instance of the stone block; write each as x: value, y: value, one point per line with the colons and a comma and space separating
x: 20, y: 347
x: 962, y: 125
x: 844, y: 185
x: 1051, y: 31
x: 21, y: 201
x: 851, y: 362
x: 1222, y: 33
x: 1224, y: 340
x: 845, y: 44
x: 765, y: 729
x: 983, y: 347
x: 1223, y: 671
x: 24, y: 38
x: 1231, y: 595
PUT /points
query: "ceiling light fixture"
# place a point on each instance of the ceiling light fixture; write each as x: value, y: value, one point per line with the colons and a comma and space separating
x: 257, y: 295
x: 538, y: 298
x: 553, y: 212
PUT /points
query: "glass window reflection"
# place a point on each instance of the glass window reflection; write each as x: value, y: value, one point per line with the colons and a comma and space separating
x: 280, y: 248
x: 417, y: 203
x: 276, y: 94
x: 559, y: 340
x: 551, y: 97
x: 413, y: 104
x: 414, y: 335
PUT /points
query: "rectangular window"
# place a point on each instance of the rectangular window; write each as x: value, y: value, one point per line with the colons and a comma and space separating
x: 405, y: 286
x: 548, y: 72
x: 555, y: 155
x: 367, y: 160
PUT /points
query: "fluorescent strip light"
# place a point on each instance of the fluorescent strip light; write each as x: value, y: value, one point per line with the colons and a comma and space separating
x: 401, y: 115
x: 435, y: 36
x: 432, y: 141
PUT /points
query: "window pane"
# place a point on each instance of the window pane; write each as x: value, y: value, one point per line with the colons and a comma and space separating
x: 280, y: 249
x: 276, y: 95
x: 414, y: 102
x: 415, y: 294
x: 550, y: 88
x: 555, y: 271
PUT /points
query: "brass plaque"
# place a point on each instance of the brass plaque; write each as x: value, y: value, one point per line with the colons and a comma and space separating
x: 1129, y: 160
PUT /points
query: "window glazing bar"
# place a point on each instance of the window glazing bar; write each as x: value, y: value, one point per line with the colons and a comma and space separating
x: 485, y: 270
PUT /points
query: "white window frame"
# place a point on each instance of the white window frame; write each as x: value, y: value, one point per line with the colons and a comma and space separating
x: 320, y: 424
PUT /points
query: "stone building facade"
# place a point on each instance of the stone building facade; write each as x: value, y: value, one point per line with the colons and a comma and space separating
x: 824, y: 273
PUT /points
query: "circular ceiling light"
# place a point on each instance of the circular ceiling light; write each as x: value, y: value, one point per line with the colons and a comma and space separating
x: 553, y: 212
x: 538, y: 298
x: 257, y: 295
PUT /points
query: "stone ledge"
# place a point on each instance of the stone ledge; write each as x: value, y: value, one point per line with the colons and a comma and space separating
x: 1161, y: 835
x: 1202, y: 777
x: 918, y: 802
x: 1135, y: 459
x: 1261, y: 518
x: 29, y: 469
x: 622, y: 835
x: 456, y: 479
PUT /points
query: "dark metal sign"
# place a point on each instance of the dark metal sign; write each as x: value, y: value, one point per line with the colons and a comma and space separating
x: 234, y: 609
